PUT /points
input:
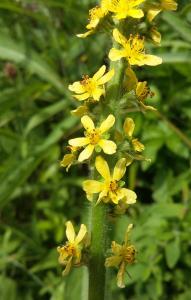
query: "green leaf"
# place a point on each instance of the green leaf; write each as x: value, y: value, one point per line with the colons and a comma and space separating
x: 14, y: 51
x: 172, y: 253
x: 178, y: 24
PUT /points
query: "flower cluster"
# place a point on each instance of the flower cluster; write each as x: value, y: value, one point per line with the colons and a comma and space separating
x: 108, y: 145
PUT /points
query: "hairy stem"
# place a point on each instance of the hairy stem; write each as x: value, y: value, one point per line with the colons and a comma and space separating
x: 100, y: 235
x: 97, y: 250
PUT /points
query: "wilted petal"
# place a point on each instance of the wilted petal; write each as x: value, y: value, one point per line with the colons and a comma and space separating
x: 129, y: 127
x: 68, y: 267
x: 113, y: 261
x: 120, y: 275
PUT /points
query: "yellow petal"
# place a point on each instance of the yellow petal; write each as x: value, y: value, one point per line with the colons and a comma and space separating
x: 129, y: 127
x: 86, y: 153
x: 85, y: 34
x: 138, y: 146
x: 92, y: 186
x: 87, y: 123
x: 79, y: 111
x: 120, y: 169
x: 131, y: 79
x: 99, y: 73
x: 102, y: 195
x: 136, y: 13
x: 68, y: 267
x: 76, y: 87
x: 120, y: 275
x: 152, y: 13
x: 106, y: 77
x: 151, y: 60
x: 155, y: 35
x: 70, y: 233
x: 108, y: 147
x: 81, y: 234
x: 119, y: 38
x: 116, y: 54
x: 107, y: 124
x: 116, y: 248
x: 129, y: 196
x: 97, y: 93
x: 67, y: 160
x: 113, y: 261
x: 103, y: 168
x: 78, y: 142
x: 82, y: 97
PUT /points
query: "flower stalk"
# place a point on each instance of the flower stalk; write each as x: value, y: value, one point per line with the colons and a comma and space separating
x: 108, y: 144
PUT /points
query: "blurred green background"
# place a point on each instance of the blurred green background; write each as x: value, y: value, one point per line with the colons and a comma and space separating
x: 39, y: 56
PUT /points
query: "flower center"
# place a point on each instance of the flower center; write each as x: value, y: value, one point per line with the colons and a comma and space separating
x: 113, y: 186
x: 94, y: 136
x: 70, y: 249
x: 135, y: 46
x: 88, y: 83
x: 129, y: 254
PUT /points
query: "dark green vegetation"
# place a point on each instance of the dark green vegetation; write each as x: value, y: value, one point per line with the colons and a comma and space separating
x: 39, y: 56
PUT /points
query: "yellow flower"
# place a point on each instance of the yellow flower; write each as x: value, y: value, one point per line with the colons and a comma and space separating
x: 69, y: 158
x: 93, y: 137
x: 155, y: 36
x: 163, y: 5
x: 133, y: 50
x: 109, y: 189
x: 143, y: 92
x: 123, y: 255
x: 129, y: 127
x: 91, y: 87
x: 70, y: 253
x: 124, y: 8
x: 96, y: 14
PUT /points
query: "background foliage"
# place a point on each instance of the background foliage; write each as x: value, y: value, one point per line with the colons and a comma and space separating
x: 39, y: 56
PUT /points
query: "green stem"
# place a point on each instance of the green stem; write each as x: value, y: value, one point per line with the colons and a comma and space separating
x: 100, y: 235
x: 97, y: 257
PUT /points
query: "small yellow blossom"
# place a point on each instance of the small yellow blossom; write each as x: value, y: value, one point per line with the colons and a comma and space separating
x: 133, y: 50
x: 70, y: 253
x: 123, y: 255
x: 109, y: 189
x: 96, y: 14
x: 163, y: 5
x: 94, y: 137
x: 129, y: 127
x: 80, y: 111
x: 143, y: 92
x: 155, y: 36
x: 124, y: 8
x: 91, y: 87
x: 69, y: 158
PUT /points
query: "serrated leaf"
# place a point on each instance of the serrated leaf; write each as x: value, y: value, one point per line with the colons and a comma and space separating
x: 172, y: 253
